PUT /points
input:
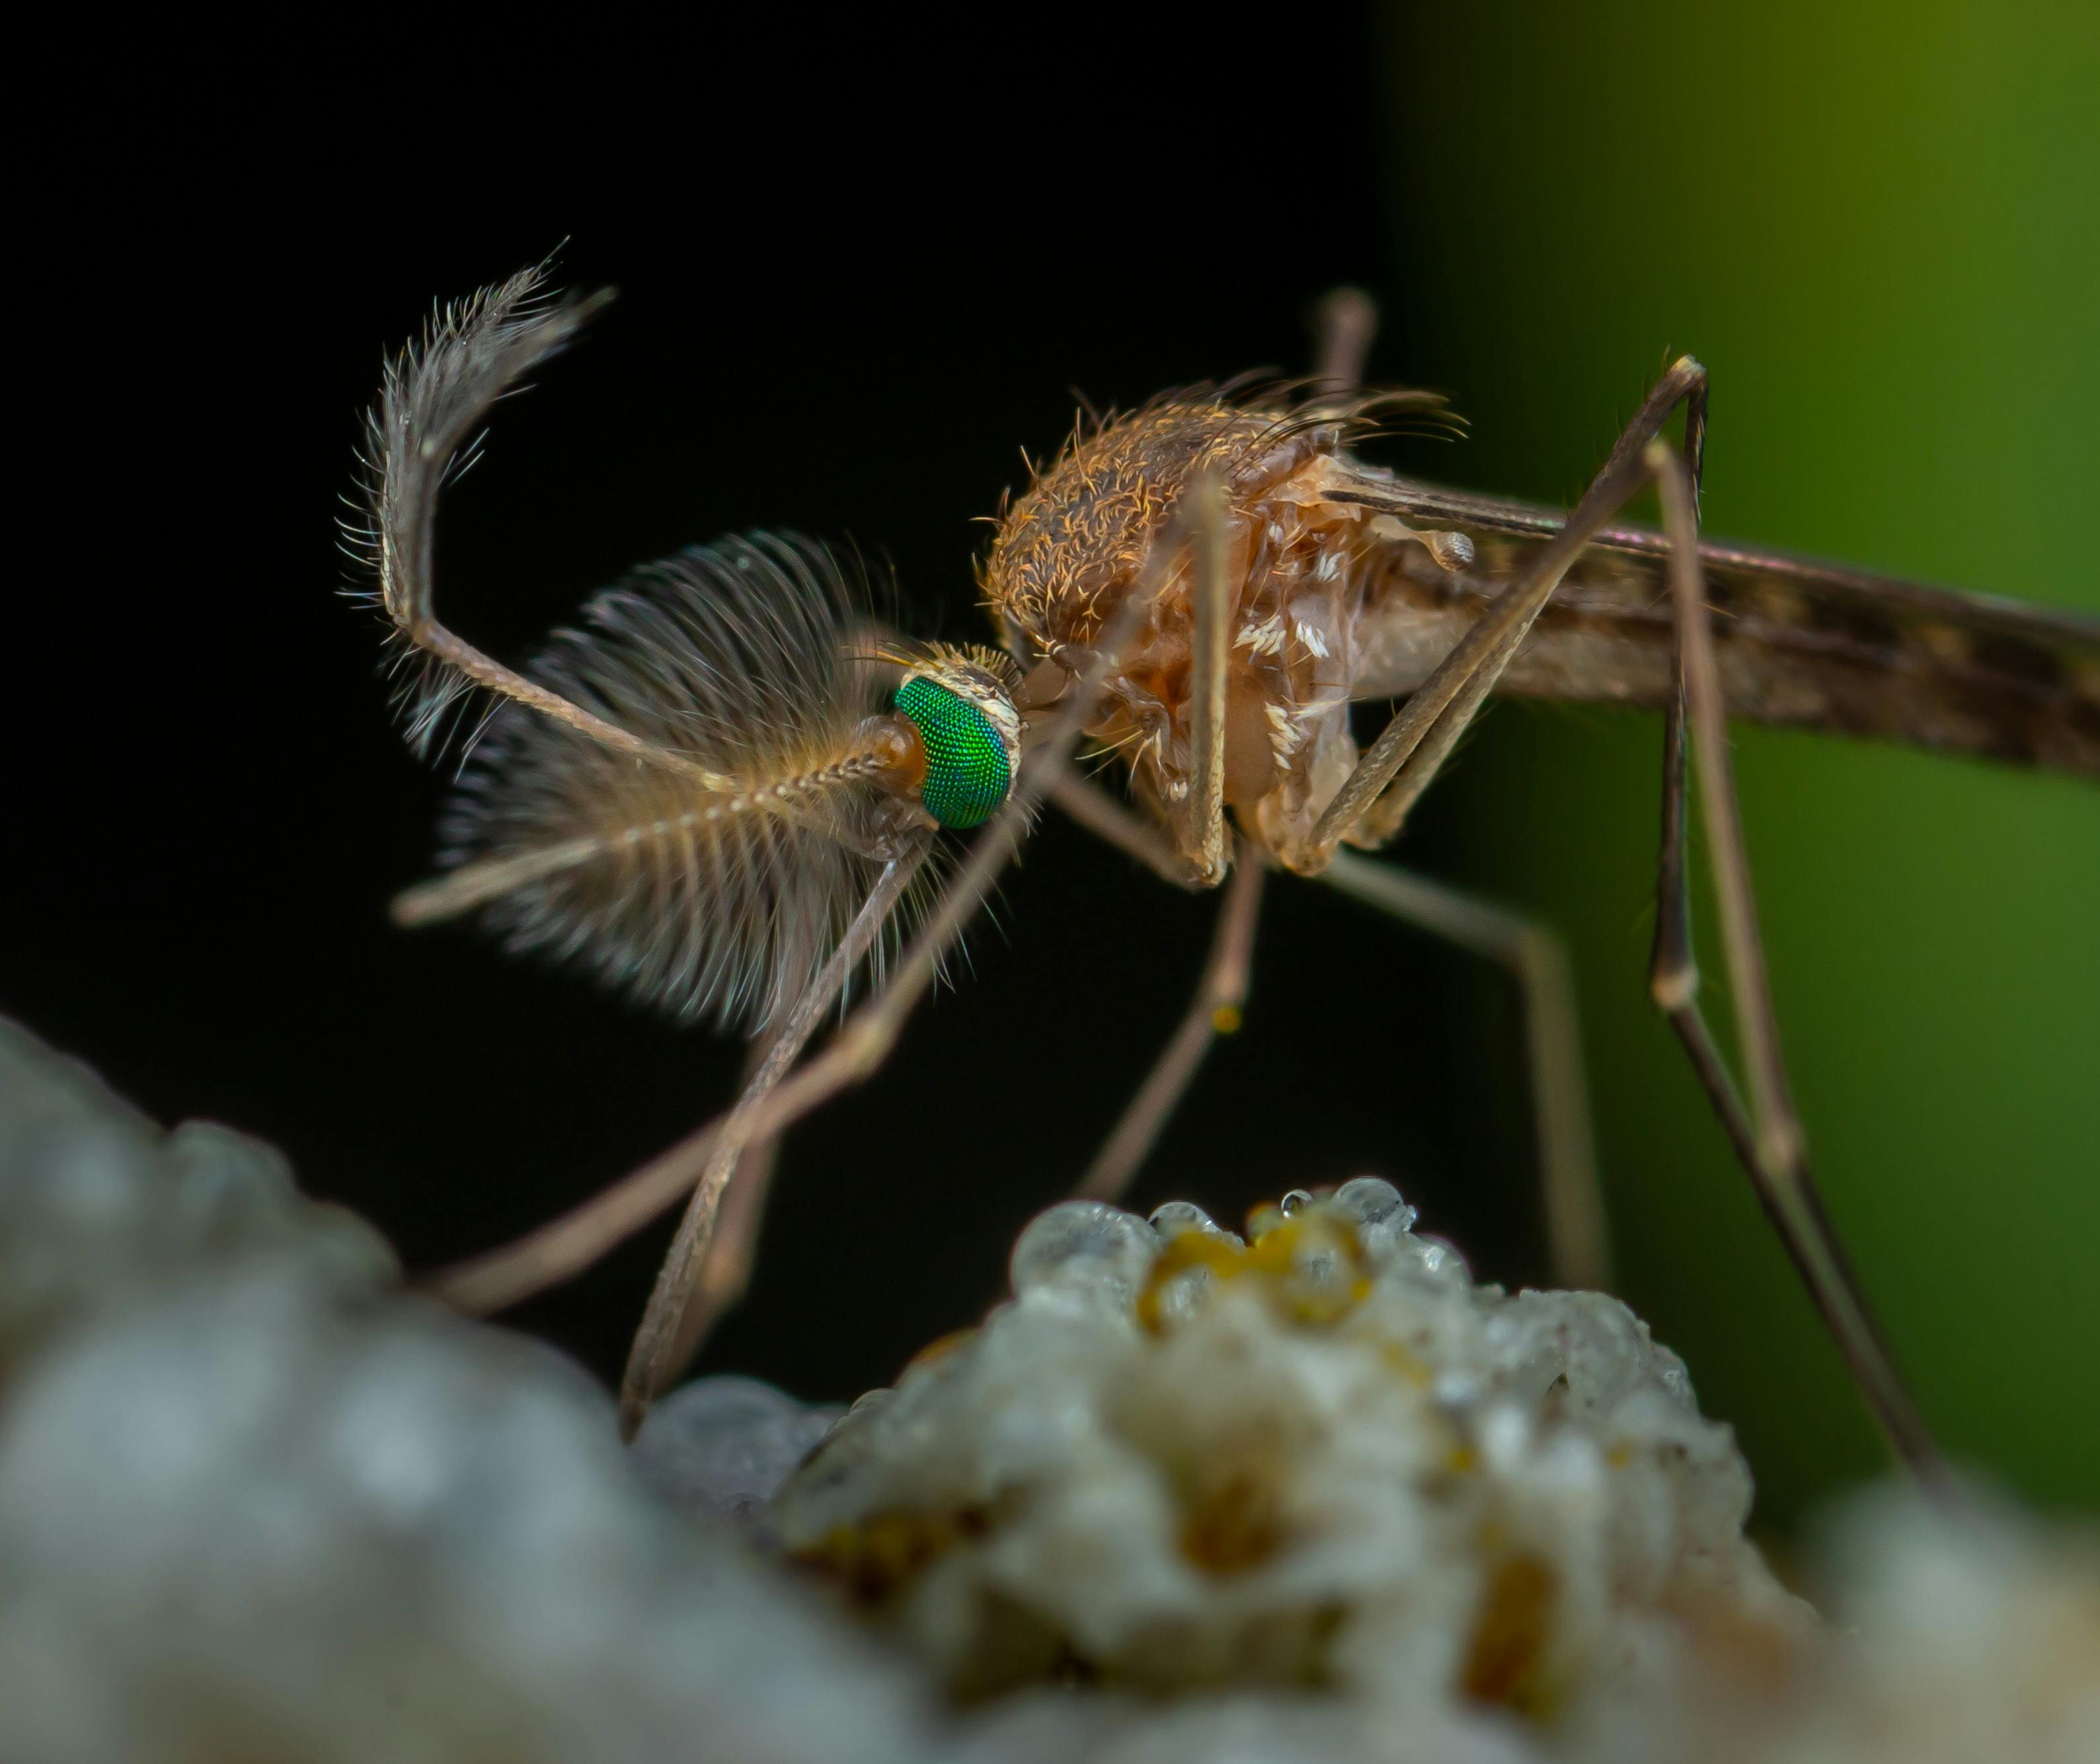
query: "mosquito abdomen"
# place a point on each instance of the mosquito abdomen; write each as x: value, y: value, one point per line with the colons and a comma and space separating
x: 1799, y: 645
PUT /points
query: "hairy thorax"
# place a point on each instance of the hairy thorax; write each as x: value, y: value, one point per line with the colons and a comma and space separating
x: 1070, y: 550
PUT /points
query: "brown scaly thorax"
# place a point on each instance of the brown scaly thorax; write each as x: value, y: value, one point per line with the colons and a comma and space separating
x: 1070, y: 549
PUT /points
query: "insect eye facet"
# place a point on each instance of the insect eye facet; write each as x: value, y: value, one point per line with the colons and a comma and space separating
x: 969, y: 767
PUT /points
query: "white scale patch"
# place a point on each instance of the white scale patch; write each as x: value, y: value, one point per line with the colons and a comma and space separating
x: 1285, y: 733
x: 1266, y: 639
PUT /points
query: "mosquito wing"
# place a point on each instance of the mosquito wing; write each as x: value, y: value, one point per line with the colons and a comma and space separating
x: 1810, y: 644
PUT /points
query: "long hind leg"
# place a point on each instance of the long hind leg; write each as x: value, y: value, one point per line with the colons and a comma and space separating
x: 1343, y: 327
x: 1215, y: 1010
x: 563, y: 1247
x: 776, y: 1097
x: 726, y: 1269
x: 1577, y: 1236
x: 1767, y: 1134
x: 566, y: 1245
x: 1373, y: 800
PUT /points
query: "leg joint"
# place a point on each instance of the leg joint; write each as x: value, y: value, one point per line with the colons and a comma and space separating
x: 1673, y: 985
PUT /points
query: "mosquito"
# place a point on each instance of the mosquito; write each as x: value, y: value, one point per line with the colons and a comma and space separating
x: 729, y: 789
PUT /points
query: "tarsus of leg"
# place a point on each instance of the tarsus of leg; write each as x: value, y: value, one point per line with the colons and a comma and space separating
x: 866, y: 1038
x: 1673, y: 975
x: 1769, y: 1137
x: 1437, y: 712
x: 564, y: 1247
x: 1578, y: 1234
x: 726, y: 1268
x: 1211, y: 593
x: 1108, y: 820
x: 1343, y: 330
x: 1220, y: 992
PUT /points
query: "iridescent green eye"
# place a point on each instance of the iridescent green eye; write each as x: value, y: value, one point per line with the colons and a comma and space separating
x: 968, y: 770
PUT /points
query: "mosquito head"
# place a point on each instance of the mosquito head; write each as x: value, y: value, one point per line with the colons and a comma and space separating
x: 959, y: 703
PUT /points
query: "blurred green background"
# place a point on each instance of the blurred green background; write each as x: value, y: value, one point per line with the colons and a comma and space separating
x: 1879, y: 227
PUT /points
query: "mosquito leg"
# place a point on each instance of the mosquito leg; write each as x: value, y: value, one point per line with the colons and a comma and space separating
x: 1413, y: 746
x: 725, y: 1269
x: 1673, y: 972
x: 1343, y: 329
x: 1101, y: 814
x: 1220, y: 995
x: 865, y: 1040
x: 1768, y: 1136
x: 1578, y: 1237
x: 1203, y: 823
x: 1221, y: 990
x: 1345, y: 325
x: 433, y: 398
x: 564, y: 1247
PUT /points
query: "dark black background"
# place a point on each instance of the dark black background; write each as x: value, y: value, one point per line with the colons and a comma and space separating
x: 856, y: 277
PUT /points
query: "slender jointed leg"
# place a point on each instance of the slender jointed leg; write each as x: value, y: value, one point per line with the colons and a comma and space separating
x: 1101, y: 814
x: 564, y: 1247
x: 1343, y: 327
x: 1673, y: 972
x: 1375, y: 798
x: 1221, y: 990
x: 1578, y: 1237
x: 865, y: 1040
x: 1343, y: 330
x: 1203, y: 821
x: 725, y: 1269
x: 1214, y: 1010
x: 1766, y: 1135
x: 1346, y: 322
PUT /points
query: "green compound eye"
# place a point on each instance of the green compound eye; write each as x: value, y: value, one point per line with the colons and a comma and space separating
x: 969, y: 770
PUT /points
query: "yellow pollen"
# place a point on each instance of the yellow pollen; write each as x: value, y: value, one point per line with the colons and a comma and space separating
x: 1272, y: 1260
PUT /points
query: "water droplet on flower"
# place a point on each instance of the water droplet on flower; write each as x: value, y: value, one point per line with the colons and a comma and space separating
x: 1170, y: 1219
x: 1383, y: 1219
x: 1297, y: 1199
x: 1086, y: 1243
x: 1372, y: 1201
x: 1435, y: 1259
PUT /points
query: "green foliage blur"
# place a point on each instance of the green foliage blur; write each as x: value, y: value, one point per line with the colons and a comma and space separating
x: 1878, y: 225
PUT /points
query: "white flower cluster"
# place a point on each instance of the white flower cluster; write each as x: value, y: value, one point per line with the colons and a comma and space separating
x: 256, y: 1502
x: 1323, y: 1456
x: 1312, y: 1497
